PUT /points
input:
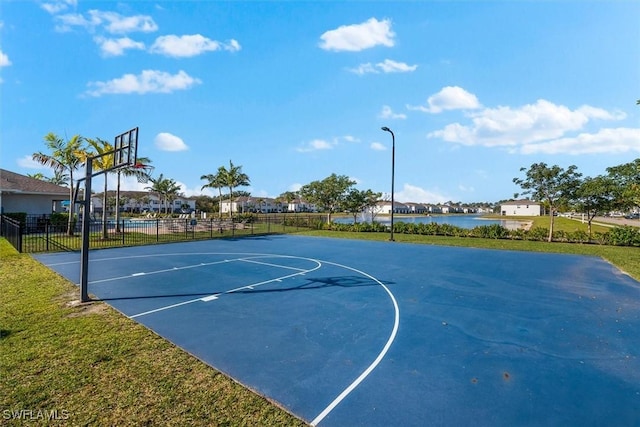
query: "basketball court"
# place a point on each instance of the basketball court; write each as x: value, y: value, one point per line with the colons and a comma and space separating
x: 343, y: 332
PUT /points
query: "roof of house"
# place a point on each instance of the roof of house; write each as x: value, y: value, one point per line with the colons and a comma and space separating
x: 11, y: 182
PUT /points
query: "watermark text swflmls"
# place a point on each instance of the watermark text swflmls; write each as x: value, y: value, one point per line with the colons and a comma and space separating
x: 35, y: 414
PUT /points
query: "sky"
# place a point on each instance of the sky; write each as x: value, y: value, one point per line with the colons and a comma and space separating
x: 294, y: 91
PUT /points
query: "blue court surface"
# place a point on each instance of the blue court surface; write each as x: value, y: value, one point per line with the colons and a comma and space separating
x: 346, y: 333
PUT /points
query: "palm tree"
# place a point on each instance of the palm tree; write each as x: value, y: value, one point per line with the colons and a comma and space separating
x: 165, y: 188
x: 65, y: 156
x: 131, y: 170
x: 157, y: 187
x: 59, y: 178
x: 104, y: 161
x: 39, y: 176
x: 216, y: 181
x: 234, y: 177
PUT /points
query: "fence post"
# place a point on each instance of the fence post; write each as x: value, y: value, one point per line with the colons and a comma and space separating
x: 123, y: 232
x: 47, y: 224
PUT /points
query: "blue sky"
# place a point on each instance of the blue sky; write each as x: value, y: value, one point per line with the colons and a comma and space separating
x: 294, y: 91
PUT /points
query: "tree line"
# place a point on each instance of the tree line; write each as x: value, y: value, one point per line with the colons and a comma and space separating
x: 557, y: 188
x: 561, y: 189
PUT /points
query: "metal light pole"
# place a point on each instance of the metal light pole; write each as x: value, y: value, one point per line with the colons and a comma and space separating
x: 393, y: 165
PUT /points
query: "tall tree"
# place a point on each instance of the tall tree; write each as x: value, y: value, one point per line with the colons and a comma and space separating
x: 357, y: 201
x: 38, y: 175
x: 104, y: 160
x: 64, y: 157
x: 595, y: 196
x: 166, y: 189
x: 328, y: 193
x: 131, y: 170
x: 371, y: 203
x: 216, y: 180
x: 58, y: 178
x: 627, y: 179
x: 552, y: 185
x: 233, y: 177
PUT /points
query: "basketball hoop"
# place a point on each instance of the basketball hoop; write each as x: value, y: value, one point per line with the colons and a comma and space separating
x: 143, y: 172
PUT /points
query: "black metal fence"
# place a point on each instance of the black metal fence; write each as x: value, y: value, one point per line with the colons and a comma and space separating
x: 10, y: 229
x: 40, y: 234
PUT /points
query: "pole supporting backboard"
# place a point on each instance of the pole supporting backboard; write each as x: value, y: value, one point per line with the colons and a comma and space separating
x: 125, y: 154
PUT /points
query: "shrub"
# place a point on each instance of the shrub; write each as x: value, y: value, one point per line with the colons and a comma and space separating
x: 578, y: 236
x: 432, y: 228
x: 625, y: 236
x: 602, y: 238
x: 61, y: 219
x: 560, y: 236
x: 493, y: 231
x: 537, y: 233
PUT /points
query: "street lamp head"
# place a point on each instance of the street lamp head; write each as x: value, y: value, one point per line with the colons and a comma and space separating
x: 386, y: 129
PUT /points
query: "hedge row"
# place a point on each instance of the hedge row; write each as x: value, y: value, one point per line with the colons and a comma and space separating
x: 618, y: 236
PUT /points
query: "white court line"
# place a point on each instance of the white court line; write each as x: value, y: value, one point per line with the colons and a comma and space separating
x: 172, y: 269
x: 270, y: 264
x: 377, y: 360
x: 164, y: 308
x: 351, y: 386
x: 251, y: 286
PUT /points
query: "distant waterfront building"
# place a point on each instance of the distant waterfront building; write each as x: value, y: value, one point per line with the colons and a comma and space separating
x: 521, y: 208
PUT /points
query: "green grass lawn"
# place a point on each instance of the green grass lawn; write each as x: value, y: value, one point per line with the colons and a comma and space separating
x: 96, y: 367
x: 625, y: 258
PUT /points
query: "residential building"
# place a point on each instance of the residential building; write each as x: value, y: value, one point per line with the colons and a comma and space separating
x: 20, y: 193
x: 143, y: 201
x: 521, y: 208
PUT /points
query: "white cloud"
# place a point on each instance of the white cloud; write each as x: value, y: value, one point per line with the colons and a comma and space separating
x: 449, y: 98
x: 610, y: 141
x: 28, y: 163
x: 58, y: 6
x: 364, y: 69
x: 115, y: 23
x: 68, y: 21
x: 387, y: 113
x: 149, y: 81
x: 4, y: 59
x: 350, y: 138
x: 358, y: 37
x: 412, y: 193
x: 189, y: 45
x: 388, y: 66
x: 531, y: 123
x: 376, y: 146
x: 167, y: 142
x: 116, y: 47
x: 315, y: 145
x: 111, y: 22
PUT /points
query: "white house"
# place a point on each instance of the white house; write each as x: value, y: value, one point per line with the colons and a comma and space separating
x: 250, y: 204
x: 265, y: 205
x: 521, y: 208
x: 417, y: 208
x: 384, y: 207
x: 141, y: 201
x: 20, y: 193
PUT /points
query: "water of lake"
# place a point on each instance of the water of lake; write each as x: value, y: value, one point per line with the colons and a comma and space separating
x: 463, y: 221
